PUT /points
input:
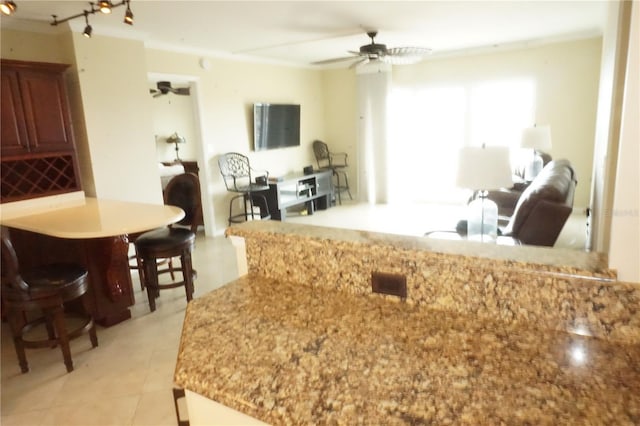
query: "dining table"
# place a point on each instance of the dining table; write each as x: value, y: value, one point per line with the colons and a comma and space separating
x: 90, y: 231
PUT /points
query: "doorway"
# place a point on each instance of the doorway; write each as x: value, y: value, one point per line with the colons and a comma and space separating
x: 178, y: 131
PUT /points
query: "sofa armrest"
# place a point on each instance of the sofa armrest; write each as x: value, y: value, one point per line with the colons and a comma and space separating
x: 543, y: 224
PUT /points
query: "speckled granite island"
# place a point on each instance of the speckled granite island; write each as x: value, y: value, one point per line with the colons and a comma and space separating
x: 482, y: 336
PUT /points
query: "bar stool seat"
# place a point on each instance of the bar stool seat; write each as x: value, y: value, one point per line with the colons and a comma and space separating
x: 44, y: 290
x: 163, y: 244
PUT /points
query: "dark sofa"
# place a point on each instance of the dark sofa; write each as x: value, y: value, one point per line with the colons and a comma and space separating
x: 542, y: 209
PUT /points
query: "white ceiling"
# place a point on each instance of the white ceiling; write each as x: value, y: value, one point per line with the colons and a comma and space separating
x: 302, y: 32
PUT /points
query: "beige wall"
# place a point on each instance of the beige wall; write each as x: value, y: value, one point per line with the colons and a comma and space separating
x: 117, y: 114
x: 566, y: 80
x: 31, y: 46
x: 226, y: 93
x: 341, y: 115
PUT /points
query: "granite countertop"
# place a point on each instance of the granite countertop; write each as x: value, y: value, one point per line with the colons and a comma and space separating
x: 289, y: 353
x: 561, y: 260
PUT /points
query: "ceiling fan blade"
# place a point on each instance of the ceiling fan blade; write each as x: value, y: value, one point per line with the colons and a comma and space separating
x: 406, y: 55
x: 334, y: 60
x: 409, y: 51
x: 362, y: 61
x: 182, y: 91
x: 158, y: 94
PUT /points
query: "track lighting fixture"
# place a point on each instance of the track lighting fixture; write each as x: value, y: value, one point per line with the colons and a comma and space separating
x: 87, y: 30
x: 103, y: 6
x: 8, y: 7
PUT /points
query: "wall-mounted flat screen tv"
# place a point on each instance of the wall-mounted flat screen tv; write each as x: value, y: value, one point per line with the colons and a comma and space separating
x: 275, y: 126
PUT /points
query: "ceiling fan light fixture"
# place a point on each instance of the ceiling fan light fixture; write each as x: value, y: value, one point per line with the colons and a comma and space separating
x: 8, y: 7
x: 104, y: 6
x: 128, y: 16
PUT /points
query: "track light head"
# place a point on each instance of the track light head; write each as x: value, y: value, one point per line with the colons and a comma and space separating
x: 8, y: 7
x: 128, y: 16
x: 87, y: 30
x: 104, y: 6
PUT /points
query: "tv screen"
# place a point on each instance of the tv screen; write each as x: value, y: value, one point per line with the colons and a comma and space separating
x: 275, y: 126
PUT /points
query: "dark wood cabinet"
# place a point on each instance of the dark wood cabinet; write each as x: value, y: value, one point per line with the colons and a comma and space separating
x: 14, y: 130
x: 37, y: 146
x: 35, y: 112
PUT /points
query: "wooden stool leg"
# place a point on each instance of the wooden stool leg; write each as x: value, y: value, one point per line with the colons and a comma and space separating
x: 16, y: 330
x: 151, y: 277
x: 88, y: 309
x: 187, y: 273
x: 140, y: 270
x: 63, y: 337
x: 48, y: 322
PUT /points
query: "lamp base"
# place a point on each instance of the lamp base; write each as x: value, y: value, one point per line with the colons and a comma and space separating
x: 482, y: 220
x: 534, y: 167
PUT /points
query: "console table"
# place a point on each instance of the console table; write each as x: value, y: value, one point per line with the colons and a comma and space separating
x: 314, y: 190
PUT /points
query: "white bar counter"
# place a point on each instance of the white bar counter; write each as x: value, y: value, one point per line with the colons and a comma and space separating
x: 92, y: 218
x: 92, y: 232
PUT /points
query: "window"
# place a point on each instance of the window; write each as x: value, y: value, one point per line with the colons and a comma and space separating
x: 428, y: 126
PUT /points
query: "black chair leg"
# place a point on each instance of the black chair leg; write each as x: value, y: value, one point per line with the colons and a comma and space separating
x: 151, y: 275
x: 187, y: 273
x: 346, y: 185
x: 338, y: 187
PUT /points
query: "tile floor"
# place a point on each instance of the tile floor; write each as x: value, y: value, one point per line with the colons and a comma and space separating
x: 127, y: 379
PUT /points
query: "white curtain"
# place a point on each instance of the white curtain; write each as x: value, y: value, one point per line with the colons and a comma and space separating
x: 409, y: 138
x: 373, y: 85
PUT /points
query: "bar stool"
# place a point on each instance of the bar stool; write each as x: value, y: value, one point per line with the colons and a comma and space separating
x: 248, y: 183
x: 182, y: 191
x: 163, y: 244
x: 337, y: 163
x: 44, y: 290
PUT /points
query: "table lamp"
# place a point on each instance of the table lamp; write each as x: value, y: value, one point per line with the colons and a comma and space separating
x: 483, y: 169
x: 537, y: 138
x: 176, y: 139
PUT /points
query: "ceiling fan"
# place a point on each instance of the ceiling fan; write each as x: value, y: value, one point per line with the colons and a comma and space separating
x: 379, y: 52
x: 165, y: 87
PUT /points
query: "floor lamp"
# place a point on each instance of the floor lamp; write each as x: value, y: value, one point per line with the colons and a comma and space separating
x: 483, y: 169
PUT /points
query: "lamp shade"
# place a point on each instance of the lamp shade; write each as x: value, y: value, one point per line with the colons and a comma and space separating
x: 176, y: 138
x: 538, y: 137
x: 484, y: 168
